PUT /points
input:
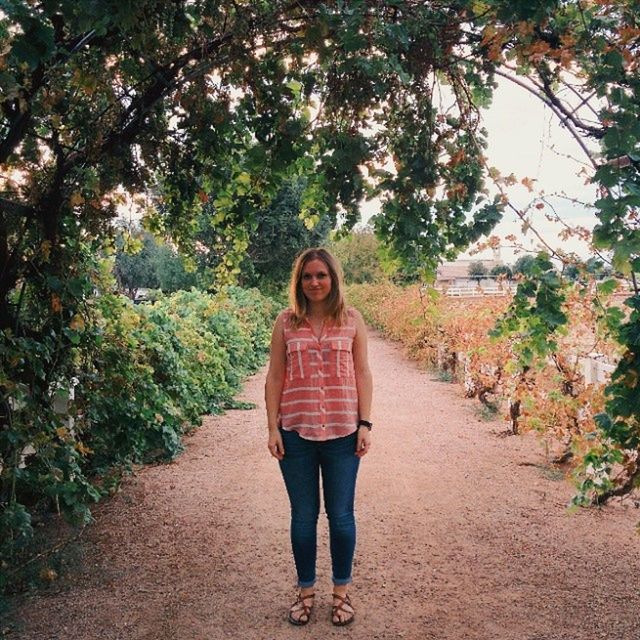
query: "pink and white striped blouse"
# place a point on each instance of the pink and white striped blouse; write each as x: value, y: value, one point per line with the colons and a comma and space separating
x: 319, y: 397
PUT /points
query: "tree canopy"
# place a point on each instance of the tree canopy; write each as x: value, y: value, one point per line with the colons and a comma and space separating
x: 149, y: 264
x: 189, y: 101
x: 524, y: 264
x: 280, y: 234
x: 477, y: 269
x: 178, y: 101
x: 360, y: 255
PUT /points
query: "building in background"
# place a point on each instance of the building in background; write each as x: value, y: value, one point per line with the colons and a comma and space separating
x: 455, y: 279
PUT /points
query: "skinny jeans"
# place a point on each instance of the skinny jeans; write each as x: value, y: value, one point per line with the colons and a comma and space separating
x: 303, y: 463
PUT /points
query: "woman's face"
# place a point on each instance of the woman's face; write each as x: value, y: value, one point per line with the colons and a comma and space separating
x: 316, y: 281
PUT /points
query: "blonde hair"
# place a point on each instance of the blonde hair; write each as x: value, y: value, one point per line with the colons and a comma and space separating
x: 335, y: 300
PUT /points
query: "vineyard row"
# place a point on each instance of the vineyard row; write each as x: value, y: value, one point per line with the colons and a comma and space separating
x: 558, y: 397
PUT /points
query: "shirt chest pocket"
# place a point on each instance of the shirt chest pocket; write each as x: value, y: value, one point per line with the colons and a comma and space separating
x: 298, y: 360
x: 339, y: 361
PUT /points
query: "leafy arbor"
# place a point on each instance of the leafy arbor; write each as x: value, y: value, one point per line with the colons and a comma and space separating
x: 181, y: 100
x: 208, y: 106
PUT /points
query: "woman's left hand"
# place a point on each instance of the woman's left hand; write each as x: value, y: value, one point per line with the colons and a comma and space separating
x: 363, y: 443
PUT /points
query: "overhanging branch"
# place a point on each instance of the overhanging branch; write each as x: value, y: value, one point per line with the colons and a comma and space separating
x: 565, y: 120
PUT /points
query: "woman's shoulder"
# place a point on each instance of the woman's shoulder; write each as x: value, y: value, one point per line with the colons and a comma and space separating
x: 353, y: 319
x: 282, y: 319
x: 287, y: 319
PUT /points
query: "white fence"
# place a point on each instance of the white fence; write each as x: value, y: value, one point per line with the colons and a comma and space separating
x: 594, y: 369
x: 477, y: 292
x: 507, y: 288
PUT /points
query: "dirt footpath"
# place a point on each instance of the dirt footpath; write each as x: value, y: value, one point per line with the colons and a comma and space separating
x: 457, y: 538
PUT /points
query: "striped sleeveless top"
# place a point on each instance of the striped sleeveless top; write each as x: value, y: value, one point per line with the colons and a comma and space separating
x: 319, y: 396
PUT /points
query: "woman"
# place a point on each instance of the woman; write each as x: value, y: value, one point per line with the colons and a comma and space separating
x: 318, y: 396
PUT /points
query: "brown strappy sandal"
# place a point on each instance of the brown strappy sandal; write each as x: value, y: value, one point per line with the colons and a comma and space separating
x: 300, y: 606
x: 339, y: 608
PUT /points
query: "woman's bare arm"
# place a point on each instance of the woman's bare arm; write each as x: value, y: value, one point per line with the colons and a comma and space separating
x: 364, y: 383
x: 273, y: 387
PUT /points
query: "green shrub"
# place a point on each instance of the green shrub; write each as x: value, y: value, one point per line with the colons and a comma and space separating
x: 145, y: 374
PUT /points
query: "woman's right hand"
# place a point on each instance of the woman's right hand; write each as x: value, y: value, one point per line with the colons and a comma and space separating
x: 276, y: 448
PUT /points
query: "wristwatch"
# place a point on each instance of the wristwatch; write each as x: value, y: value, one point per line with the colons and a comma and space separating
x: 365, y: 423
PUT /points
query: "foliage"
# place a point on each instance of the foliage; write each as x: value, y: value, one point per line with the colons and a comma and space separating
x: 144, y: 374
x: 581, y: 59
x: 211, y: 104
x: 477, y: 269
x: 535, y: 313
x: 142, y: 261
x: 404, y: 314
x: 174, y: 273
x: 548, y: 396
x: 583, y: 271
x: 280, y: 233
x: 524, y: 264
x: 279, y: 236
x: 361, y: 256
x: 503, y: 270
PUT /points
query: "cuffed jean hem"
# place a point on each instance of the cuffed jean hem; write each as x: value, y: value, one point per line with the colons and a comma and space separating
x: 342, y: 581
x: 306, y: 584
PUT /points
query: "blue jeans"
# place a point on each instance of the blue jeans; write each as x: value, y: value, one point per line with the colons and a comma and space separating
x: 301, y: 466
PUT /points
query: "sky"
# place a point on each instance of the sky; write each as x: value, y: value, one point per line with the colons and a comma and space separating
x: 526, y: 139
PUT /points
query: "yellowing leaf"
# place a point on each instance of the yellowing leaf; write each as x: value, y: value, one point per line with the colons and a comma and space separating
x: 488, y: 34
x: 83, y: 449
x: 76, y: 199
x: 631, y: 379
x: 132, y: 246
x: 244, y: 178
x: 45, y: 250
x: 295, y: 86
x: 77, y: 323
x: 528, y: 183
x: 56, y: 305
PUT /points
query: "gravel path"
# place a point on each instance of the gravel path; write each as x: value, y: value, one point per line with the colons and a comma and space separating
x: 463, y: 534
